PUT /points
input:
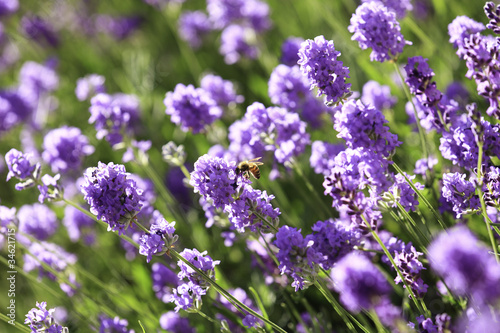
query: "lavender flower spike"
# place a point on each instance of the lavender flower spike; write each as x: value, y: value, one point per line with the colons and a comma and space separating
x: 376, y: 27
x: 112, y: 195
x: 40, y: 319
x: 318, y: 61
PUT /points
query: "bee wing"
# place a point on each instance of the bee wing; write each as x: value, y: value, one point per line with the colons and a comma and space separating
x: 254, y: 160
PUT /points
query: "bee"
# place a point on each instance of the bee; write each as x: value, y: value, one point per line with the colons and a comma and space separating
x: 249, y: 167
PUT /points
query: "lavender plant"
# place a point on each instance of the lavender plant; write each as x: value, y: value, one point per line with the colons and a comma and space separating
x: 260, y: 170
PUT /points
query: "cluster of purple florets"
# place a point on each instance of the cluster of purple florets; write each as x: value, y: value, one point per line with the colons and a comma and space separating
x: 460, y: 193
x: 41, y: 319
x: 112, y: 195
x: 268, y: 129
x: 318, y: 61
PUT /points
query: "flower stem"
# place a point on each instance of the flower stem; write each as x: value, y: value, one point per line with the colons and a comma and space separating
x: 224, y: 293
x: 388, y: 254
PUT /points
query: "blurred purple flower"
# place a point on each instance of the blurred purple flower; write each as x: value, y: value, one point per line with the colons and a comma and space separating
x: 360, y: 283
x: 40, y: 30
x: 222, y: 91
x: 191, y: 108
x: 193, y: 26
x: 424, y: 164
x: 174, y: 323
x: 323, y: 155
x: 288, y: 87
x: 79, y: 225
x: 89, y: 85
x: 115, y: 324
x: 112, y: 195
x: 119, y: 27
x: 64, y: 149
x: 113, y: 114
x: 318, y: 61
x: 55, y: 257
x: 378, y: 95
x: 238, y: 42
x: 37, y: 221
x: 164, y: 281
x: 376, y: 27
x: 8, y: 7
x: 20, y: 166
x: 460, y: 28
x: 253, y: 13
x: 14, y: 108
x: 290, y: 51
x: 400, y: 7
x: 465, y: 265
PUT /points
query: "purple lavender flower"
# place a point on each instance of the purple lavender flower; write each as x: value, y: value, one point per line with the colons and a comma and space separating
x: 400, y: 7
x: 40, y: 319
x: 459, y: 192
x: 20, y: 167
x: 424, y: 325
x: 479, y: 320
x: 333, y: 240
x: 360, y: 283
x: 64, y: 149
x: 215, y: 179
x: 222, y: 91
x: 191, y: 108
x: 248, y: 320
x: 323, y: 155
x: 113, y: 114
x: 174, y: 323
x: 55, y: 257
x: 355, y: 170
x: 378, y: 95
x: 15, y: 107
x: 79, y: 225
x: 37, y: 221
x: 242, y: 211
x: 493, y: 14
x: 297, y: 256
x: 465, y: 265
x: 401, y: 192
x: 50, y: 189
x: 193, y: 26
x: 318, y: 61
x: 39, y: 78
x: 288, y: 87
x: 112, y: 195
x: 424, y: 164
x: 190, y: 292
x: 461, y: 27
x: 363, y: 126
x: 40, y: 30
x: 159, y: 240
x: 376, y: 27
x: 272, y: 129
x: 238, y: 42
x: 116, y: 324
x: 251, y: 12
x: 119, y: 27
x: 89, y: 86
x: 460, y: 144
x: 164, y: 281
x: 492, y: 186
x: 290, y: 51
x: 8, y: 7
x: 406, y: 259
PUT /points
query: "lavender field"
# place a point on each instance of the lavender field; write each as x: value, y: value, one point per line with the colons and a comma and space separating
x: 249, y: 166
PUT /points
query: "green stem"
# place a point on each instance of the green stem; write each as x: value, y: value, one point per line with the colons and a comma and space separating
x: 260, y: 305
x: 487, y: 220
x: 420, y: 196
x: 202, y: 314
x: 18, y: 325
x: 409, y: 218
x: 417, y: 120
x: 224, y: 293
x: 388, y: 254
